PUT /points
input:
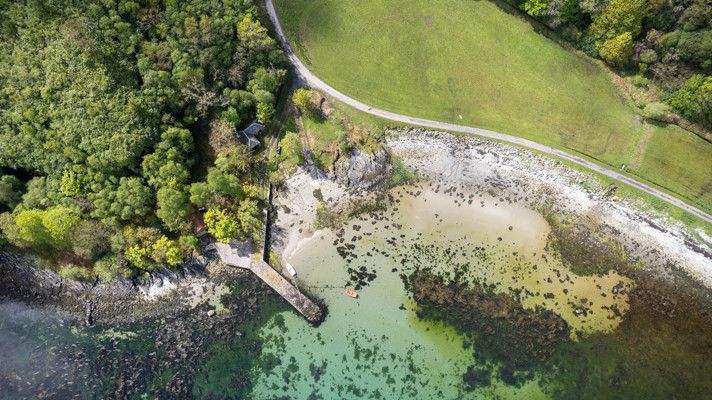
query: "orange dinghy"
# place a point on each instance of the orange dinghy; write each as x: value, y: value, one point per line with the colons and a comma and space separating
x: 352, y: 293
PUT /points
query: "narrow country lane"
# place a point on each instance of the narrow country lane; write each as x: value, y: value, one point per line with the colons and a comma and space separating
x: 307, y: 78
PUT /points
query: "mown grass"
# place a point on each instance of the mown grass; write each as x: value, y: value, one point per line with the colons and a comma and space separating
x: 470, y: 59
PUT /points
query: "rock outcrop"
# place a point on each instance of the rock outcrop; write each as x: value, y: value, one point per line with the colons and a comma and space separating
x: 91, y: 301
x: 361, y: 170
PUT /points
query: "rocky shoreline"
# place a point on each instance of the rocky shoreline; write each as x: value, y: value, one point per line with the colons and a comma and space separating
x: 121, y: 301
x: 551, y: 187
x: 311, y: 200
x: 182, y: 315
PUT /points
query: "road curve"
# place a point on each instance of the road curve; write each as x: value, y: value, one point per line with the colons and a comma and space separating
x: 307, y: 78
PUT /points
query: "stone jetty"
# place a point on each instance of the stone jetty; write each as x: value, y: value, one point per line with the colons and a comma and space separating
x: 240, y: 255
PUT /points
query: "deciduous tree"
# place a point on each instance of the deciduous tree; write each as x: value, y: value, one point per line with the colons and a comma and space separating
x: 302, y: 99
x: 222, y: 224
x: 619, y: 17
x: 91, y: 239
x: 235, y: 160
x: 200, y: 193
x: 10, y: 188
x: 47, y: 228
x: 694, y: 99
x: 265, y: 111
x: 174, y: 209
x: 166, y: 251
x: 618, y: 50
x: 249, y: 215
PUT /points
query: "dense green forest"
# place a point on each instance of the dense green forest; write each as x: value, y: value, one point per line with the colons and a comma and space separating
x: 667, y: 43
x: 102, y: 104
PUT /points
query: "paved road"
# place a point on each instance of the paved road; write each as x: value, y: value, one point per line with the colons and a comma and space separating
x: 307, y: 78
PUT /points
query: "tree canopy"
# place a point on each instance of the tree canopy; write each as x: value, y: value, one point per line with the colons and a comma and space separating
x: 100, y: 102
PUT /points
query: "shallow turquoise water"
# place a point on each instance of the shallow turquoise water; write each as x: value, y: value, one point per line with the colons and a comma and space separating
x: 375, y: 346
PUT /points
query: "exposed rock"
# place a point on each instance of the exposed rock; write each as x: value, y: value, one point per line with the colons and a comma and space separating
x: 94, y: 302
x: 361, y: 170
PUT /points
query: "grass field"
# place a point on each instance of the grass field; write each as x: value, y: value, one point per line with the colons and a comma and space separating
x: 445, y: 59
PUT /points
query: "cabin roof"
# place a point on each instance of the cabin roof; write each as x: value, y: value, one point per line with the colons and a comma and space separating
x: 198, y: 221
x: 254, y: 129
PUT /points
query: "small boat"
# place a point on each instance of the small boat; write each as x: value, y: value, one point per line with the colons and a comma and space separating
x: 291, y: 270
x: 351, y: 293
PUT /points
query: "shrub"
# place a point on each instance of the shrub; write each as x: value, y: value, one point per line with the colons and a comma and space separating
x: 655, y: 110
x: 190, y: 241
x: 694, y: 98
x: 400, y: 172
x: 73, y: 272
x: 618, y: 50
x: 345, y: 142
x: 292, y: 148
x: 587, y: 45
x: 648, y: 56
x: 91, y: 239
x: 276, y: 178
x: 111, y: 266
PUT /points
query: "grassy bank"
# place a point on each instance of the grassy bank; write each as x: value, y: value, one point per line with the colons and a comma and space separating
x: 470, y: 63
x: 340, y: 128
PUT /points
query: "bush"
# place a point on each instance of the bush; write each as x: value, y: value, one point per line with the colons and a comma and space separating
x: 112, y: 266
x: 292, y: 148
x: 640, y: 81
x: 400, y: 172
x: 648, y: 56
x: 345, y: 142
x: 694, y: 98
x: 276, y: 178
x: 618, y: 50
x: 73, y: 272
x: 655, y: 110
x: 190, y: 241
x: 587, y: 45
x: 91, y: 239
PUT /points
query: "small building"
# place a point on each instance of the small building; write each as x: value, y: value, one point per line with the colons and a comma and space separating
x: 200, y: 228
x: 249, y: 135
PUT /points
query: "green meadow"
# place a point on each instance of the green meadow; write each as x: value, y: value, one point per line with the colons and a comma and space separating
x: 469, y: 62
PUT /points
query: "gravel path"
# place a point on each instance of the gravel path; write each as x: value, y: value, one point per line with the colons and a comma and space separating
x: 307, y: 78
